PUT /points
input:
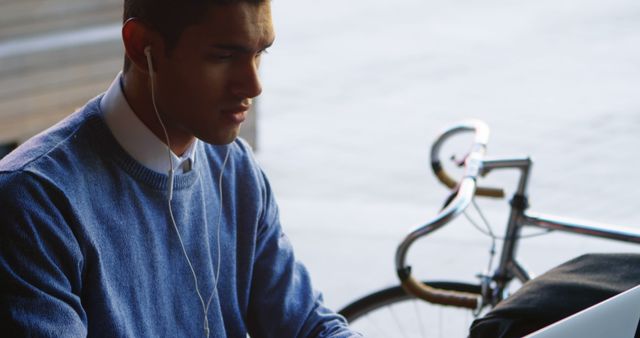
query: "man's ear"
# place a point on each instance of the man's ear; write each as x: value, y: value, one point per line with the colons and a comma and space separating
x: 137, y: 36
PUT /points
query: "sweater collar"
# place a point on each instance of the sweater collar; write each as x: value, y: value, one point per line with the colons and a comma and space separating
x: 136, y: 139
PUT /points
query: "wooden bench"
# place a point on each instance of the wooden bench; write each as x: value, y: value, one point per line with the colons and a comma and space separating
x: 50, y: 62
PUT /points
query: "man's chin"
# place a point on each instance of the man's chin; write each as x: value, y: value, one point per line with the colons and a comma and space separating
x: 221, y: 139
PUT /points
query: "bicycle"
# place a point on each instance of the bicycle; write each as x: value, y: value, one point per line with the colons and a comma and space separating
x: 399, y: 311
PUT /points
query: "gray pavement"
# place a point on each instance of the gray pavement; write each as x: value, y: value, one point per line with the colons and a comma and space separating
x: 356, y: 91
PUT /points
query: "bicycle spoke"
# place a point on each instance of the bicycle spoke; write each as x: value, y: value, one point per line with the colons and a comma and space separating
x: 397, y: 322
x: 393, y: 313
x: 378, y: 329
x: 414, y: 319
x: 419, y: 319
x: 440, y: 329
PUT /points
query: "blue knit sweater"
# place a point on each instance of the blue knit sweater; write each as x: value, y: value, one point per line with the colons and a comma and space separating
x: 87, y: 247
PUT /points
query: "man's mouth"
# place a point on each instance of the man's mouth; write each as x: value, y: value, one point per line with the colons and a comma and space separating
x: 237, y: 113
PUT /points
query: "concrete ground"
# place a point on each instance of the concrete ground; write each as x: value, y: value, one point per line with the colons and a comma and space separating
x: 355, y: 92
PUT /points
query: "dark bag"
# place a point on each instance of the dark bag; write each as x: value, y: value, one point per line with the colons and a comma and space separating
x: 559, y: 293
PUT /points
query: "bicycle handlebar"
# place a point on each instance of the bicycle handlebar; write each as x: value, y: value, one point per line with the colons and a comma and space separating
x: 481, y: 139
x: 466, y: 190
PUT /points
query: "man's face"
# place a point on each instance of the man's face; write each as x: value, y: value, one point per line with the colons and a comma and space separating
x: 206, y: 83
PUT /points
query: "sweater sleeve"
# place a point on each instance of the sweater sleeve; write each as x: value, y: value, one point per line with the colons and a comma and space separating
x: 40, y: 261
x: 283, y: 302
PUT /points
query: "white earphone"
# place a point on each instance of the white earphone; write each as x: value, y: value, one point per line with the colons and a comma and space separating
x: 147, y: 52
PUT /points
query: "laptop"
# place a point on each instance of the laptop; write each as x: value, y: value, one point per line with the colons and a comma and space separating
x: 616, y: 317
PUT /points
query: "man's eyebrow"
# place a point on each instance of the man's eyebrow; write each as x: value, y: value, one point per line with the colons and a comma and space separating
x: 239, y: 48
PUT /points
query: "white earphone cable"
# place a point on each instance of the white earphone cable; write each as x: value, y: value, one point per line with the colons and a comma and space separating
x: 205, y: 308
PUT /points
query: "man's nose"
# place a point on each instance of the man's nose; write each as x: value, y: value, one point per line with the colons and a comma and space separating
x: 247, y: 81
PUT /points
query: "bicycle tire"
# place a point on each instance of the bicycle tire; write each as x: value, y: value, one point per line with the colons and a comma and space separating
x: 392, y: 312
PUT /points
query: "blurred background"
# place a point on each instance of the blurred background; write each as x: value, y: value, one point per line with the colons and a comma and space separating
x: 354, y: 94
x: 54, y: 56
x: 356, y: 91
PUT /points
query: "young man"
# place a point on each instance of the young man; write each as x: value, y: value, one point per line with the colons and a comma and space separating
x: 142, y: 214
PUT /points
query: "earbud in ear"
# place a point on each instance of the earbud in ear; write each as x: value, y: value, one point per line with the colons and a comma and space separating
x: 147, y: 52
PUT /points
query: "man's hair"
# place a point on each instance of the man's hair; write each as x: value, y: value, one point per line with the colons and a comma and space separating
x: 171, y: 17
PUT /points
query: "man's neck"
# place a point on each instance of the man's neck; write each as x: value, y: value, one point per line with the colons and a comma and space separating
x: 137, y: 91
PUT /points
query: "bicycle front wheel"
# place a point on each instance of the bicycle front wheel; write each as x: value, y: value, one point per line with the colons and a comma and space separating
x: 392, y: 312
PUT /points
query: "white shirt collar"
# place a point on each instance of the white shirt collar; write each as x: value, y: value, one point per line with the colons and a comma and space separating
x: 136, y: 139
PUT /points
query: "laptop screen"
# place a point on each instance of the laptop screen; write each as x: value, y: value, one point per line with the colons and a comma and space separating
x: 616, y: 317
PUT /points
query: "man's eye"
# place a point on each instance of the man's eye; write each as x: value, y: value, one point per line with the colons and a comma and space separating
x: 221, y: 56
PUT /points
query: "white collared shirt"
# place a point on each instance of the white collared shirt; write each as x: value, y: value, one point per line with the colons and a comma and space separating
x: 136, y: 139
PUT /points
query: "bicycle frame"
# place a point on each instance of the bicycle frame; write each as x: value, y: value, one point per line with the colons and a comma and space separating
x: 508, y: 268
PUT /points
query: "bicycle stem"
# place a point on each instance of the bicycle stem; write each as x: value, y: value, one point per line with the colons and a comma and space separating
x: 506, y: 271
